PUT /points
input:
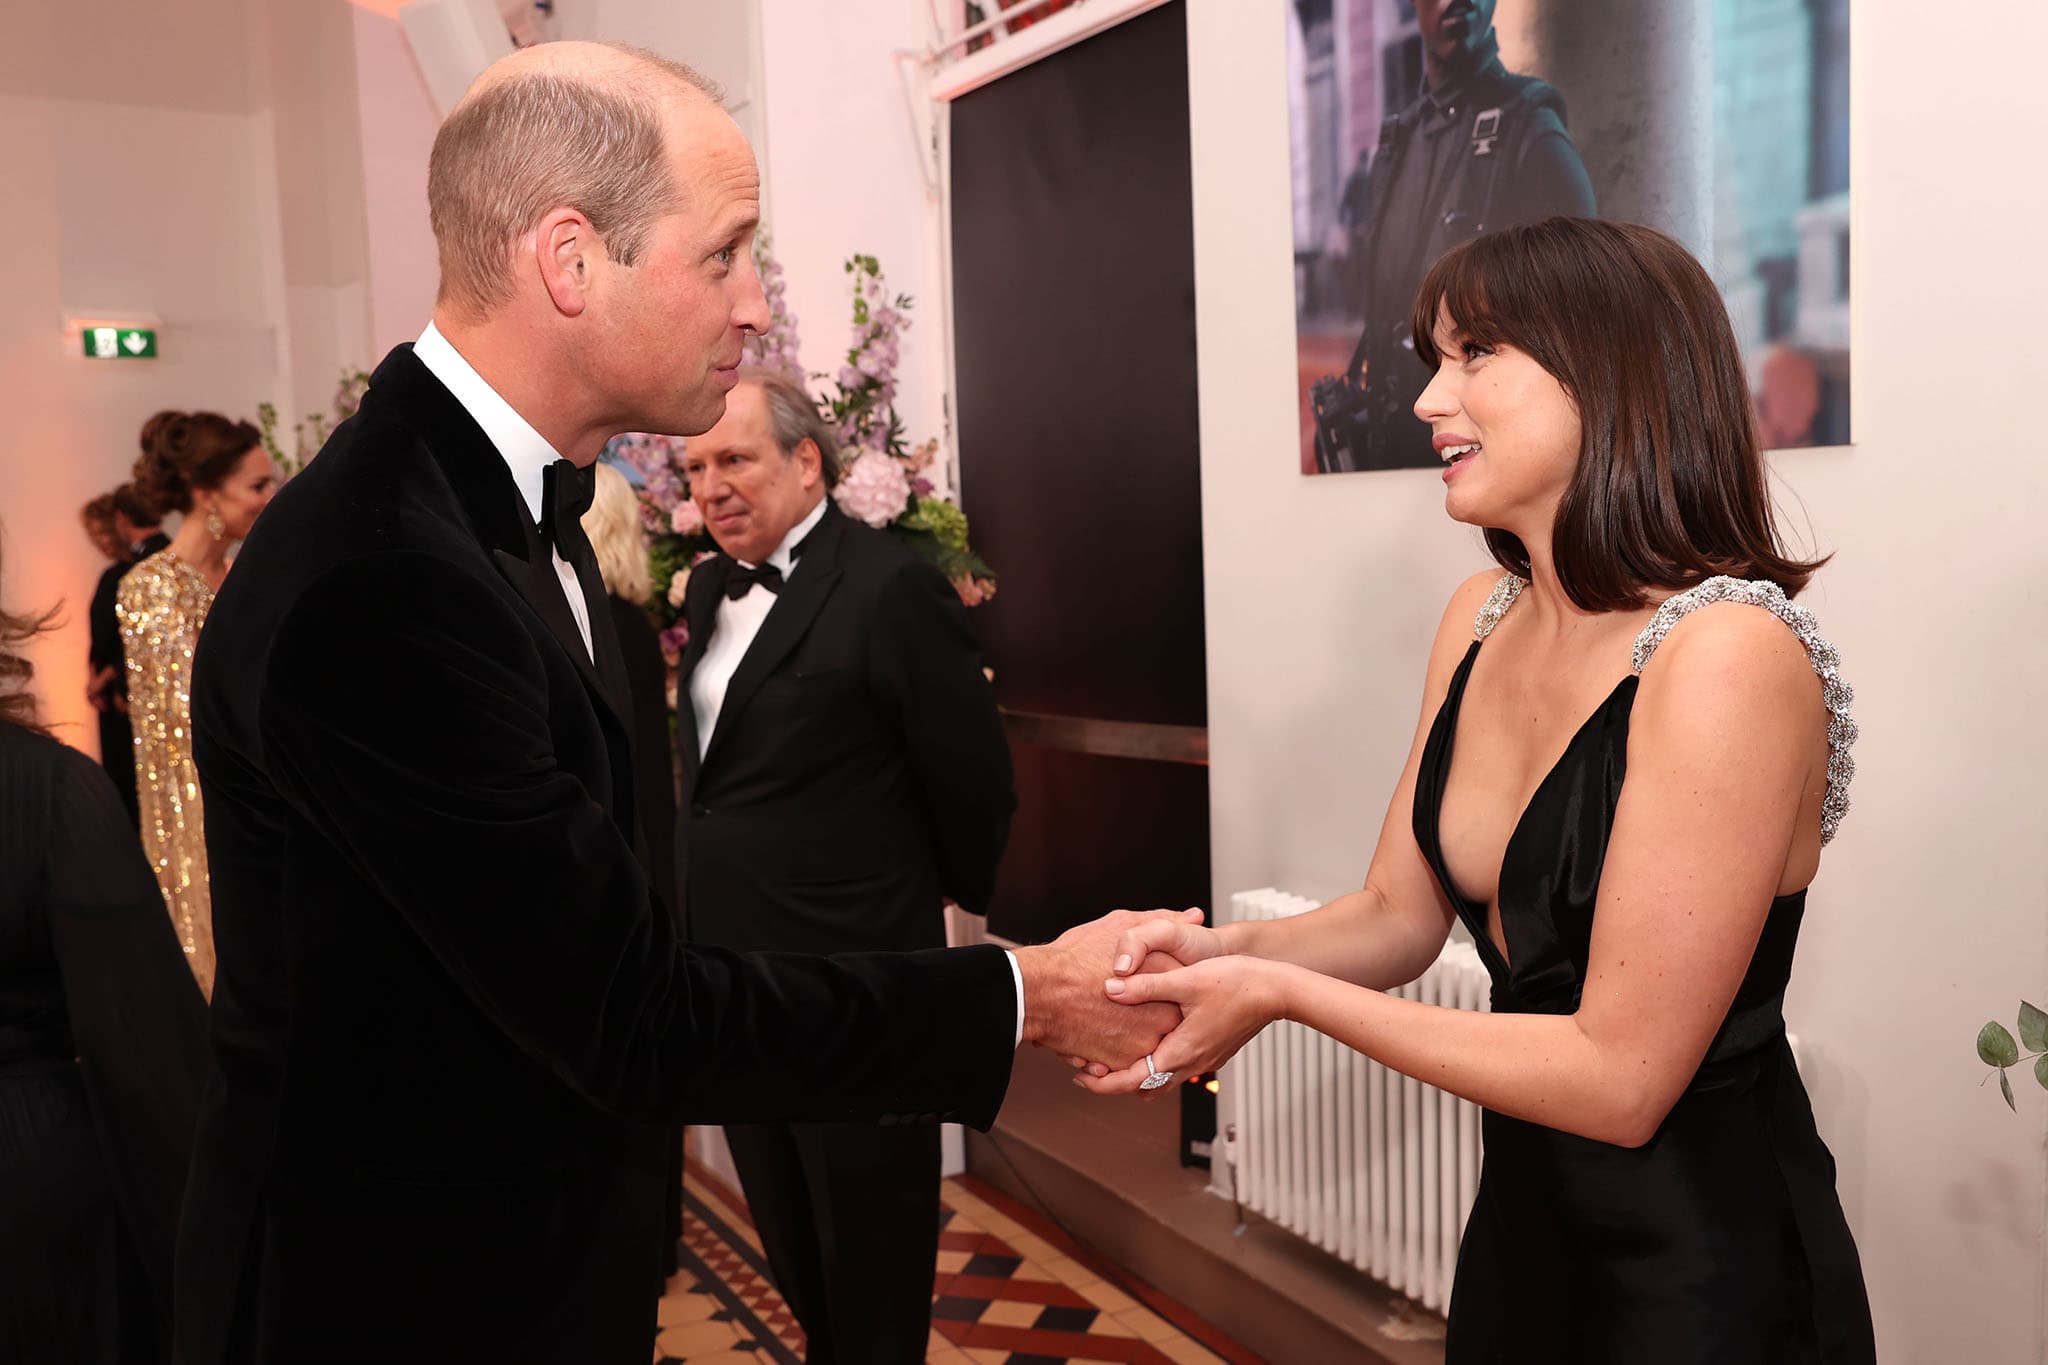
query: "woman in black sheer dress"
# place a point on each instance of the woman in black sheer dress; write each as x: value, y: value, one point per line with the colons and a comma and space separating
x: 1632, y: 748
x: 102, y: 1055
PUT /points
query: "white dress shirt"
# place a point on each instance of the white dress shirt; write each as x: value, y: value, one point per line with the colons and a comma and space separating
x: 737, y: 623
x: 525, y: 451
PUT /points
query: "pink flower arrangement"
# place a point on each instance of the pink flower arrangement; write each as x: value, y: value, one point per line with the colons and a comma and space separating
x: 874, y: 490
x: 687, y: 519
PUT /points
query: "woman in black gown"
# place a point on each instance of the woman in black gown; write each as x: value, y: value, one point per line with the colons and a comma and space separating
x: 102, y: 1055
x: 1632, y: 748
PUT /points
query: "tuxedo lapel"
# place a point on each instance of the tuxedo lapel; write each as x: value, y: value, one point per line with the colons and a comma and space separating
x: 495, y: 511
x: 701, y: 608
x: 610, y: 660
x: 802, y: 597
x: 541, y: 586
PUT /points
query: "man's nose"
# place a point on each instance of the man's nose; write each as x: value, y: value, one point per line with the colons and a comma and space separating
x: 750, y: 309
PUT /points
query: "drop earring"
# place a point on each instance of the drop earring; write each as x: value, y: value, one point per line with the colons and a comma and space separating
x: 215, y: 527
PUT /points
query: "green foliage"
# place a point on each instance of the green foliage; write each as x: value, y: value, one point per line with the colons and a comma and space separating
x: 1997, y: 1049
x: 312, y: 433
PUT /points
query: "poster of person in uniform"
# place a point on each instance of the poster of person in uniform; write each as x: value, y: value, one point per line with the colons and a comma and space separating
x: 1420, y: 124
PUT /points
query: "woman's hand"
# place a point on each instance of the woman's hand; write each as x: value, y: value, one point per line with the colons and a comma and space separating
x: 1180, y: 936
x: 1223, y: 1001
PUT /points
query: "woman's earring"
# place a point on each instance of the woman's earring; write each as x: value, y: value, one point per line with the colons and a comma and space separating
x: 215, y: 527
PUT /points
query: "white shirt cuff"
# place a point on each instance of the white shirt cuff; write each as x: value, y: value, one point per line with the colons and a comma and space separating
x: 1017, y: 975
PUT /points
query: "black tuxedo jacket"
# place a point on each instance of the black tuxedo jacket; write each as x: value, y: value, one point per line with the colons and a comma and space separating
x: 858, y: 774
x: 445, y: 992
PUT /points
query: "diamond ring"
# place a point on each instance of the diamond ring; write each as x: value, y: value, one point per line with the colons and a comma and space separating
x: 1156, y: 1077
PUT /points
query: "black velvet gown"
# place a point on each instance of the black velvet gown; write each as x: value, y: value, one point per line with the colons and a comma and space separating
x: 102, y: 1059
x: 1721, y: 1239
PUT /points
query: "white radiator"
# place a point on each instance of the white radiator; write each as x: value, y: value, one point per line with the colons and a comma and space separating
x: 1368, y: 1164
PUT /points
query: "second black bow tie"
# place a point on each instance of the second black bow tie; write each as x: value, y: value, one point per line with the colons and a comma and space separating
x: 565, y: 494
x: 740, y: 579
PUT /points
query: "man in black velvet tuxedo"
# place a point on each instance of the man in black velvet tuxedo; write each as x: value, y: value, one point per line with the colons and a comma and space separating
x: 844, y: 773
x: 446, y: 997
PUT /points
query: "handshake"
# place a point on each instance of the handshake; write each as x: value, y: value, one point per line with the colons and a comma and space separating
x: 1093, y: 996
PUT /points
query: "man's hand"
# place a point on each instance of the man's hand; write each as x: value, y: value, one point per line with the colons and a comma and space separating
x: 1064, y: 1005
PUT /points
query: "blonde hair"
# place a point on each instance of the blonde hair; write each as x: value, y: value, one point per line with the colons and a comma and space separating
x: 535, y: 141
x: 613, y: 525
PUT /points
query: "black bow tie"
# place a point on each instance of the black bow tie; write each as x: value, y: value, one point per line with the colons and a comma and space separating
x: 565, y: 494
x: 740, y: 580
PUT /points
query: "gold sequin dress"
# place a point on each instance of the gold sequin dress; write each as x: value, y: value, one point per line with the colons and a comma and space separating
x: 163, y: 601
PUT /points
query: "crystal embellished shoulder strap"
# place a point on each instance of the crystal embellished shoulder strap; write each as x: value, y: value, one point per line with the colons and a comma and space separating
x: 1835, y: 694
x: 1497, y: 603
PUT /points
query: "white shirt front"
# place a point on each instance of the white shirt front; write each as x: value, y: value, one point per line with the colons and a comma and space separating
x: 738, y: 622
x: 526, y: 452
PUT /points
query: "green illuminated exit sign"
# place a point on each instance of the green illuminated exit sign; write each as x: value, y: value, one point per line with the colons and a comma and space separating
x: 120, y: 343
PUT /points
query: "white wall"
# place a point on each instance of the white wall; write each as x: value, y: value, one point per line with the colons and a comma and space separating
x: 844, y: 176
x: 396, y: 123
x: 1928, y: 917
x: 139, y: 177
x: 305, y: 76
x: 719, y: 38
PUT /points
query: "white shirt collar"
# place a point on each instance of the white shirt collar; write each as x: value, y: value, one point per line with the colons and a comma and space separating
x: 783, y: 559
x: 525, y: 451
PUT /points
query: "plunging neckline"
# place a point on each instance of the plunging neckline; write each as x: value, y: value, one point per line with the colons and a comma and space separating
x: 1468, y: 906
x: 1582, y: 839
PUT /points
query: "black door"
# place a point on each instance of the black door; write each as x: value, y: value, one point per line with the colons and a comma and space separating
x: 1074, y: 327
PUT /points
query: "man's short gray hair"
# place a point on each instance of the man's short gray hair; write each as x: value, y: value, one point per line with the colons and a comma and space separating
x: 537, y: 141
x: 794, y: 417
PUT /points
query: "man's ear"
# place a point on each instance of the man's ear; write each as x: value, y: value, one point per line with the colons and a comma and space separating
x: 812, y: 459
x: 569, y: 253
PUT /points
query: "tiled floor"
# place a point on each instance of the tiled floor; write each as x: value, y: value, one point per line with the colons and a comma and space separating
x: 1008, y: 1288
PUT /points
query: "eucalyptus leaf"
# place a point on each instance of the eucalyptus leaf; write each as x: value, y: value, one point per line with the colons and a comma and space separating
x: 1995, y: 1046
x: 2041, y: 1070
x: 2033, y: 1028
x: 2005, y: 1085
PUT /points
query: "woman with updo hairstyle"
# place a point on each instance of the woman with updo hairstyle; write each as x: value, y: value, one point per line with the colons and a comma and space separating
x: 217, y: 475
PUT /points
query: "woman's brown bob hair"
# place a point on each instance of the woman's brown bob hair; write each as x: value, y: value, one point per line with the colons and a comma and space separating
x: 1670, y: 488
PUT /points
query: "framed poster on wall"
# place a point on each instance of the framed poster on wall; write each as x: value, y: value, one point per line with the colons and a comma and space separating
x: 1420, y: 124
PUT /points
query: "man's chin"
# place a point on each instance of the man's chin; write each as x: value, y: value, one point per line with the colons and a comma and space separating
x: 692, y: 418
